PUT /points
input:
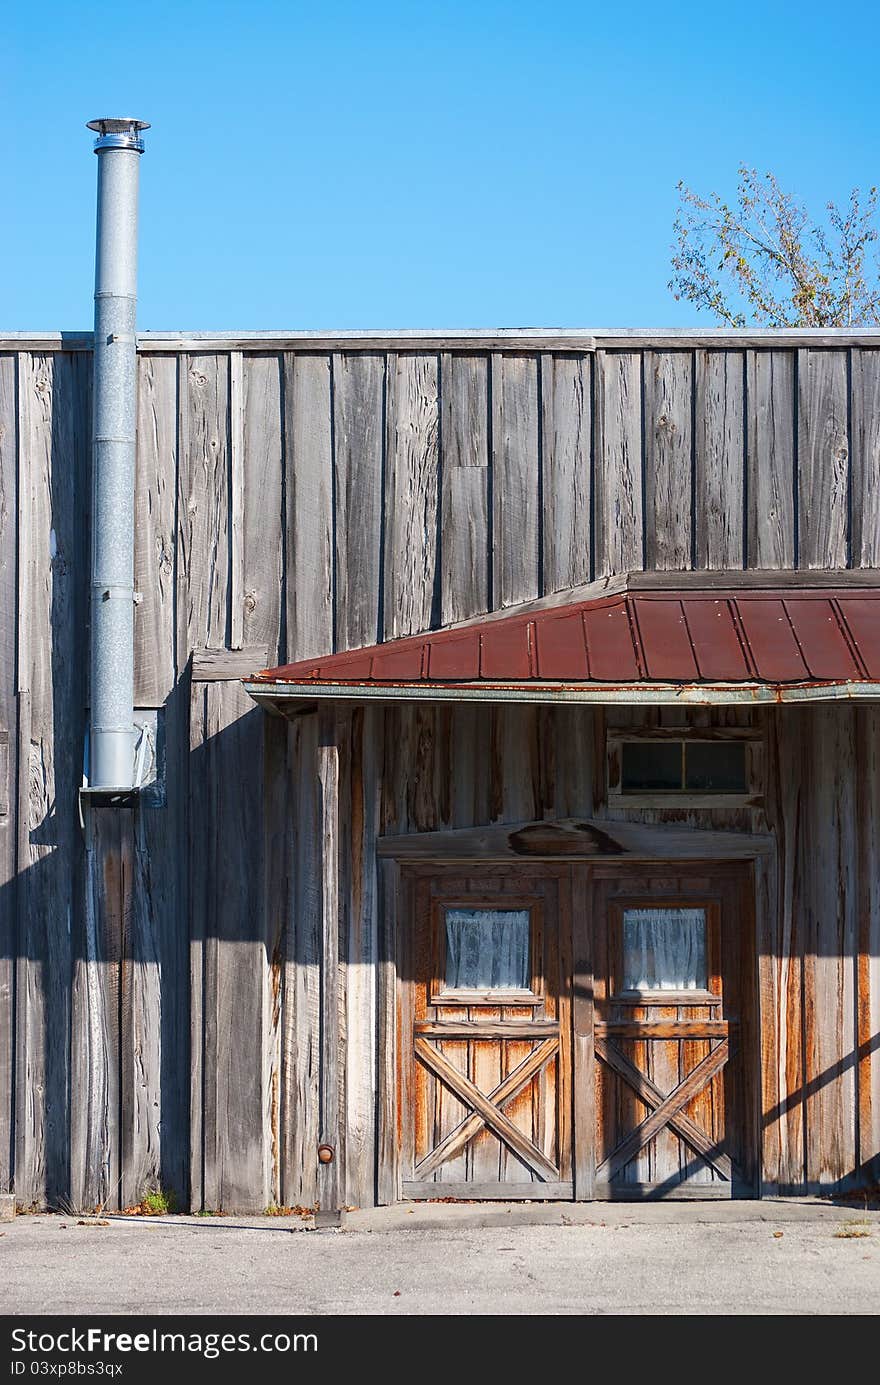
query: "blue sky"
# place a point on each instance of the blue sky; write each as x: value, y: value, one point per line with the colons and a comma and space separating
x: 414, y: 165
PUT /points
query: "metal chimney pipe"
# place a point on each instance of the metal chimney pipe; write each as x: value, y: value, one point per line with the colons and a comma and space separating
x: 111, y: 727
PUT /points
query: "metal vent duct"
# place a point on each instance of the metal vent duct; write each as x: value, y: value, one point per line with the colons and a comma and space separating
x: 111, y: 730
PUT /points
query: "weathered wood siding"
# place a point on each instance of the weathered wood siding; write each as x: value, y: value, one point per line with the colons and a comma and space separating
x: 158, y: 973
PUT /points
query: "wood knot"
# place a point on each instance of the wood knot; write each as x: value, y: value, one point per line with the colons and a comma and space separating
x: 563, y: 839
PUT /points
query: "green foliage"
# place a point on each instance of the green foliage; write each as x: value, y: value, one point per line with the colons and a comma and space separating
x: 764, y: 261
x: 158, y: 1203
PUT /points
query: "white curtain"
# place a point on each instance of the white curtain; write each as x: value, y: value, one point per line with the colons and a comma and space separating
x: 487, y: 949
x: 664, y: 949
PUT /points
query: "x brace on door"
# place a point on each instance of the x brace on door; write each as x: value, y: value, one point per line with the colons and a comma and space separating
x: 665, y: 1109
x: 486, y: 1110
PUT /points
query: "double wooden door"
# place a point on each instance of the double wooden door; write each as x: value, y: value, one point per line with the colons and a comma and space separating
x: 575, y: 1030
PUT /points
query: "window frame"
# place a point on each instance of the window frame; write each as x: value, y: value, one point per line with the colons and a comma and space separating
x: 532, y: 996
x: 711, y: 904
x: 617, y: 737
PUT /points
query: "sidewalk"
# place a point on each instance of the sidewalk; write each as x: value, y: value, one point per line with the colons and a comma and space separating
x: 672, y: 1258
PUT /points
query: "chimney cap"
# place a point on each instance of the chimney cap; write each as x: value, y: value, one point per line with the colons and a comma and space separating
x: 117, y: 132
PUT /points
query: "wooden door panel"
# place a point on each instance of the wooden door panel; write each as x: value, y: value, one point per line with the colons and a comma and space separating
x: 672, y: 1112
x: 488, y: 1072
x: 506, y: 1092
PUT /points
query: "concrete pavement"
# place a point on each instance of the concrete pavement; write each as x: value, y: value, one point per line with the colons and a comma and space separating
x: 686, y: 1258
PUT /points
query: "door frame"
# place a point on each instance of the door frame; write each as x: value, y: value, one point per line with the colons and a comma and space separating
x: 665, y: 848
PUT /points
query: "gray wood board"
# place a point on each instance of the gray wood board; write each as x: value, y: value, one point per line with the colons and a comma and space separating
x: 308, y: 461
x: 8, y: 749
x: 411, y: 527
x: 566, y: 460
x: 203, y: 546
x: 155, y: 521
x: 465, y: 548
x: 668, y: 393
x: 256, y: 601
x: 516, y: 535
x: 719, y: 451
x: 55, y: 411
x: 358, y: 393
x: 619, y: 506
x: 771, y: 476
x: 823, y: 459
x: 865, y: 501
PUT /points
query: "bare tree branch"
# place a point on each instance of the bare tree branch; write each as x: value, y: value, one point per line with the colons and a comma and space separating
x: 765, y: 261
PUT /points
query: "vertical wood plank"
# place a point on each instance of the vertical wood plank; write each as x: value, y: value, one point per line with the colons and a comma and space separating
x: 411, y: 526
x: 720, y: 459
x: 300, y: 1099
x: 783, y: 905
x: 830, y: 902
x: 823, y: 459
x: 277, y: 810
x: 95, y: 1146
x: 201, y: 953
x: 770, y: 382
x: 203, y: 505
x: 387, y: 1142
x: 55, y: 431
x: 575, y: 892
x: 465, y: 549
x: 868, y: 978
x: 362, y: 958
x: 155, y: 521
x: 257, y: 600
x: 237, y: 508
x: 516, y: 522
x: 331, y: 1175
x: 566, y: 400
x: 308, y: 461
x: 8, y: 750
x: 235, y: 1159
x: 575, y: 736
x: 358, y: 393
x: 865, y: 385
x: 618, y: 510
x: 516, y: 763
x: 669, y: 386
x: 155, y: 1004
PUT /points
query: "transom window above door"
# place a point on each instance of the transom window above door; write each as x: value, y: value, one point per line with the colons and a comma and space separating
x: 657, y: 766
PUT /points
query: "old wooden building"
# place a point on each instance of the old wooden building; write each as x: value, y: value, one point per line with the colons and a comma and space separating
x: 513, y: 826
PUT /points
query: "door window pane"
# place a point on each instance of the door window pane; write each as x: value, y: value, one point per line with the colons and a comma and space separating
x: 487, y: 949
x: 664, y: 950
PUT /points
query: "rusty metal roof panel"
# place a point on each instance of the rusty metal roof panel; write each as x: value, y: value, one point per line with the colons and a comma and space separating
x: 753, y: 637
x: 771, y: 640
x: 612, y: 648
x: 720, y: 653
x: 861, y: 616
x: 666, y: 643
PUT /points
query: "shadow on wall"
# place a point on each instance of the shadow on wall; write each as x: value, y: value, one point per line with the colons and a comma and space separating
x: 109, y: 938
x: 150, y: 960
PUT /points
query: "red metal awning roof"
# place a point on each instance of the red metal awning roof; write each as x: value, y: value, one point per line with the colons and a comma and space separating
x: 769, y: 644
